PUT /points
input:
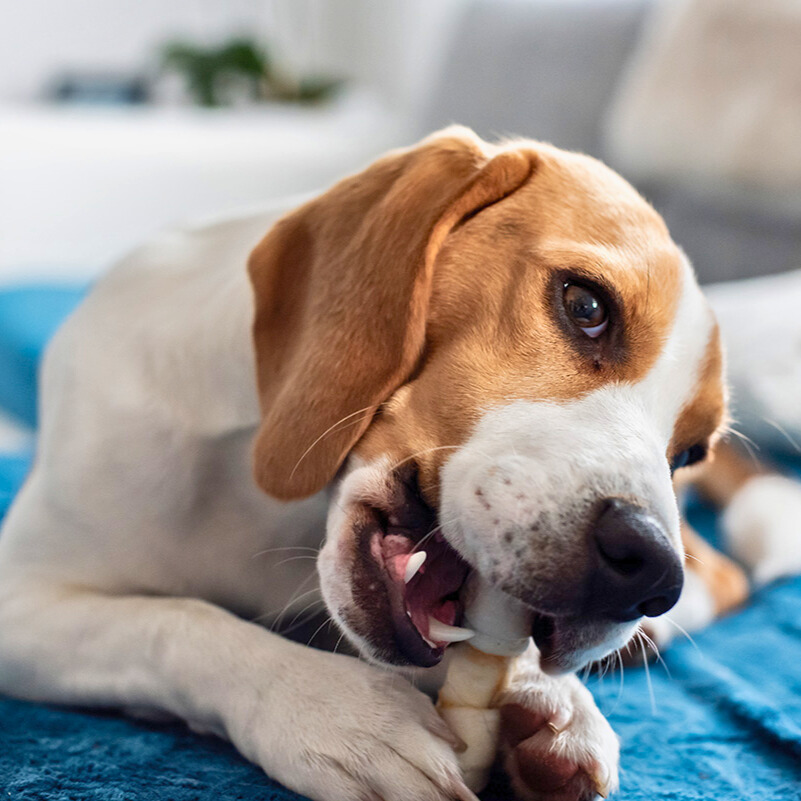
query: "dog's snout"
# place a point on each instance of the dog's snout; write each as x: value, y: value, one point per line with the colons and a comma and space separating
x: 636, y: 570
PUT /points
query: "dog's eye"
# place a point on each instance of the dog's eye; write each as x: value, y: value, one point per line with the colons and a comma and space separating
x: 585, y: 309
x: 696, y: 453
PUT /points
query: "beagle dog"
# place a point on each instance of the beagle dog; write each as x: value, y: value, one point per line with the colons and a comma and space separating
x: 490, y: 353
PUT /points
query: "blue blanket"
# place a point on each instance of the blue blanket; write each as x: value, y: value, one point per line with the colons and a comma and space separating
x: 721, y: 719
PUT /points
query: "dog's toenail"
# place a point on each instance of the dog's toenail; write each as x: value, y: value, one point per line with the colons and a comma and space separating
x: 560, y: 720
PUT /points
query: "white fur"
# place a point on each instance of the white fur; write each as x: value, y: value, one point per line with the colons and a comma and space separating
x: 529, y: 460
x: 141, y: 524
x: 762, y: 526
x: 142, y: 503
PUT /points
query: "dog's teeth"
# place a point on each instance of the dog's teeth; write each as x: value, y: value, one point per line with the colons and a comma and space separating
x: 413, y: 565
x: 442, y: 632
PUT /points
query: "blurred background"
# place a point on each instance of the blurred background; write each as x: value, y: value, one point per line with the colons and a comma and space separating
x: 120, y: 117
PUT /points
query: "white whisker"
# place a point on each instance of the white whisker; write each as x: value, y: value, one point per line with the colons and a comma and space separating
x: 325, y: 433
x: 648, y: 677
x: 784, y: 433
x: 655, y: 649
x: 339, y: 641
x: 294, y: 598
x: 294, y: 558
x: 420, y: 453
x: 684, y: 632
x: 748, y: 444
x: 285, y: 548
x: 329, y: 620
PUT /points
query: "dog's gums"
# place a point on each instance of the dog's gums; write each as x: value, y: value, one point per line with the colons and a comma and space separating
x: 425, y: 609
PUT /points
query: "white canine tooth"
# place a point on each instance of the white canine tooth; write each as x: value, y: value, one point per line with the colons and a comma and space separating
x: 413, y: 565
x: 442, y: 632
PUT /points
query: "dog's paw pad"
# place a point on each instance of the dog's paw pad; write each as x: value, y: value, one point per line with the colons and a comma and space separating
x: 519, y: 723
x: 543, y: 758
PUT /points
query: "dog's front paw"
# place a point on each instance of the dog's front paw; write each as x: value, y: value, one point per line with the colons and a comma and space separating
x: 555, y: 743
x: 336, y: 729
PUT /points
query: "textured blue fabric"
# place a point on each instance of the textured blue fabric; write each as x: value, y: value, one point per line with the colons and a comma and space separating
x: 28, y: 317
x: 724, y: 723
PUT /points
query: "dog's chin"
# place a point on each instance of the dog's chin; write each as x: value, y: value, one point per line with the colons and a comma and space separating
x: 567, y: 644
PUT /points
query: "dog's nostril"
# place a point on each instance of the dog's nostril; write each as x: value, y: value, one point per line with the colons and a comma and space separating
x: 636, y: 570
x: 620, y: 558
x: 654, y: 607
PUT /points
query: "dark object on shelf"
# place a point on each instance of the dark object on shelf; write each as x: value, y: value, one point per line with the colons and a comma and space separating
x: 100, y: 89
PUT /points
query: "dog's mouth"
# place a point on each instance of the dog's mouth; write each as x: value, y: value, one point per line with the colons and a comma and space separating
x: 409, y: 589
x: 423, y: 579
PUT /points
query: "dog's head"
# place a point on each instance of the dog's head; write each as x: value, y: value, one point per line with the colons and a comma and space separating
x: 502, y: 356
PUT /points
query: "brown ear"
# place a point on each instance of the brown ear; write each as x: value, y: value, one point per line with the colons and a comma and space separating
x: 341, y: 291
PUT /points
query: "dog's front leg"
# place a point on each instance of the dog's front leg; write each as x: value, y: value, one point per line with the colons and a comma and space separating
x: 555, y: 743
x: 328, y: 726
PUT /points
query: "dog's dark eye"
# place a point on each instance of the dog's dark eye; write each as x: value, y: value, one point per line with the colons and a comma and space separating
x: 696, y: 453
x: 585, y: 309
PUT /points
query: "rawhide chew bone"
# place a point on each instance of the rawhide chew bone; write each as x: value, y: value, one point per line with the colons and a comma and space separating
x: 478, y: 670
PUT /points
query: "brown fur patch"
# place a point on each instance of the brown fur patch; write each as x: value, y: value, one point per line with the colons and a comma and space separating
x: 725, y: 580
x: 493, y: 334
x: 342, y: 288
x: 436, y: 275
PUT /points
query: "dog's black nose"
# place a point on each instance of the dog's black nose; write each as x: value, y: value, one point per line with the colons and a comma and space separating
x: 636, y: 570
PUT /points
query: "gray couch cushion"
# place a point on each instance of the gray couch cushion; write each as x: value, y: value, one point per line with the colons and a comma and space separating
x: 545, y: 69
x: 548, y: 69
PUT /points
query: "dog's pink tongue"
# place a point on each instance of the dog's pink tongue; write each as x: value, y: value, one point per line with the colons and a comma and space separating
x: 441, y: 575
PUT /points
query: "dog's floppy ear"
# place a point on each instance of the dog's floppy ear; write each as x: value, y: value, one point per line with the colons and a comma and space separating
x: 341, y: 298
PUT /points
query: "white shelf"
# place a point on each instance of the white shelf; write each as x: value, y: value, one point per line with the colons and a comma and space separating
x: 80, y: 186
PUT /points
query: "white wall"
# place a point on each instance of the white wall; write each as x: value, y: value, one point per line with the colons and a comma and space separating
x: 40, y: 37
